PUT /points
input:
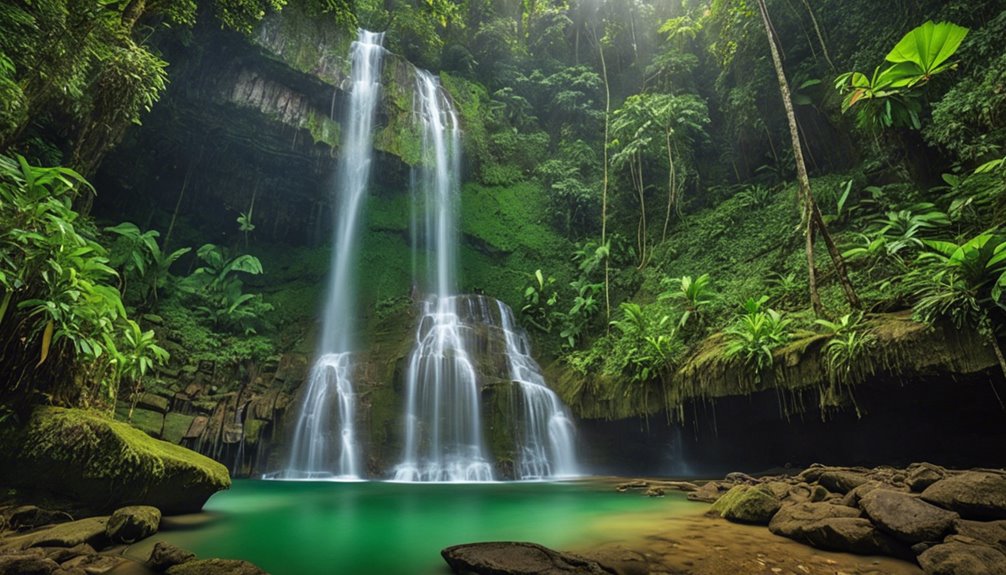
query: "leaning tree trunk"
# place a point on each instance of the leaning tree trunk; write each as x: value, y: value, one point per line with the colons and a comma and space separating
x: 604, y: 186
x: 672, y: 191
x: 812, y: 214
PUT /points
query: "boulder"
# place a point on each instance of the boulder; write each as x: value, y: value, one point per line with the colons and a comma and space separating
x: 27, y: 563
x: 791, y: 519
x: 166, y: 555
x: 852, y: 535
x: 106, y: 464
x: 842, y: 481
x: 63, y: 554
x: 130, y: 524
x: 654, y: 492
x: 29, y: 517
x: 215, y: 567
x: 922, y: 475
x: 973, y: 494
x: 991, y: 533
x: 707, y: 493
x: 907, y: 517
x: 514, y: 558
x: 747, y: 504
x: 70, y: 534
x: 958, y: 558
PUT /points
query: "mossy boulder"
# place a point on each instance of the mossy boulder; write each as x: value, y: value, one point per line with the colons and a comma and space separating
x: 132, y: 523
x: 104, y: 464
x: 747, y: 504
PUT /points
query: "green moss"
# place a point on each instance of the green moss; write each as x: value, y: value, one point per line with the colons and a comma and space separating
x: 175, y: 426
x: 147, y: 421
x: 106, y: 464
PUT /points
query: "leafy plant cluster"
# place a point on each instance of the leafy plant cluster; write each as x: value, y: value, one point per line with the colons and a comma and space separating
x: 64, y: 328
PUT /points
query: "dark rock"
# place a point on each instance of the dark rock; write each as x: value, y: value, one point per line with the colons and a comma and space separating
x: 973, y: 494
x: 130, y: 524
x: 989, y: 532
x: 791, y: 519
x: 94, y: 564
x: 27, y: 563
x: 907, y: 517
x: 153, y: 402
x: 29, y: 517
x: 852, y: 535
x: 842, y: 481
x: 166, y: 555
x: 71, y: 534
x: 922, y: 475
x: 957, y: 558
x: 920, y: 548
x: 105, y: 464
x: 512, y: 558
x: 747, y: 504
x: 62, y: 554
x: 738, y: 477
x: 707, y: 493
x: 852, y: 498
x: 812, y: 473
x: 215, y: 567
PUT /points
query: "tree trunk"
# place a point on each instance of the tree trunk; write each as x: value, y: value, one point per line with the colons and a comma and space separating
x: 604, y: 185
x: 672, y: 192
x: 134, y: 10
x: 811, y: 212
x: 178, y: 204
x: 820, y: 37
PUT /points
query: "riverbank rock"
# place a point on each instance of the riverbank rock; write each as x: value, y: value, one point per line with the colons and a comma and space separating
x: 165, y: 555
x: 31, y: 562
x: 989, y: 532
x: 708, y: 492
x: 906, y: 517
x: 71, y: 534
x: 747, y: 504
x: 105, y: 464
x: 130, y: 524
x: 973, y: 494
x: 27, y: 517
x: 514, y: 558
x: 215, y: 567
x: 842, y: 481
x: 922, y: 475
x: 958, y: 558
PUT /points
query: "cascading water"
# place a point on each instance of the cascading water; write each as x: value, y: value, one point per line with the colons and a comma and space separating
x: 443, y: 428
x: 315, y: 452
x: 546, y: 446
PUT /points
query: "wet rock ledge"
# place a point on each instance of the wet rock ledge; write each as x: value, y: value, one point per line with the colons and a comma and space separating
x: 39, y: 541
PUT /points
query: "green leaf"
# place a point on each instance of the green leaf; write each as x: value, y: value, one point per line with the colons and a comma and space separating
x: 926, y: 48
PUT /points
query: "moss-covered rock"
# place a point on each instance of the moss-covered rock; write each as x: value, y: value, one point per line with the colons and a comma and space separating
x: 747, y: 504
x: 105, y: 464
x: 132, y: 523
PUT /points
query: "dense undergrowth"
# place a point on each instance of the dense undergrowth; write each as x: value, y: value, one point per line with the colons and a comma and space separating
x: 629, y: 188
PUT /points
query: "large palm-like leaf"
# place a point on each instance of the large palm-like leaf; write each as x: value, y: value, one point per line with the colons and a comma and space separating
x: 925, y: 51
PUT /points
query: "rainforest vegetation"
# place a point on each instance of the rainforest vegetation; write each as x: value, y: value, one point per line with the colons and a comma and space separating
x: 663, y: 184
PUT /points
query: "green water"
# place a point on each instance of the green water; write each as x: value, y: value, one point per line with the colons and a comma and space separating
x: 307, y: 528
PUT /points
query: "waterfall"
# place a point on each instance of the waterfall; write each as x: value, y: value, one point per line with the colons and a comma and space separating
x: 546, y: 447
x: 443, y: 427
x: 315, y: 453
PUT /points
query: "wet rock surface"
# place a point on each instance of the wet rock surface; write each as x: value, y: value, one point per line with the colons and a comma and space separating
x: 94, y: 545
x: 515, y: 558
x: 946, y: 521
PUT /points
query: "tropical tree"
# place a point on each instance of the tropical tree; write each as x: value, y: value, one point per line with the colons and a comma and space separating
x: 812, y: 215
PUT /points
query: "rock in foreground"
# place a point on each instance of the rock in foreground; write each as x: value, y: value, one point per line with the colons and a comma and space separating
x: 515, y: 558
x: 105, y: 464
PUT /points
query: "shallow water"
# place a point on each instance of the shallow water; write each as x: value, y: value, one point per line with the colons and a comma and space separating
x: 306, y: 528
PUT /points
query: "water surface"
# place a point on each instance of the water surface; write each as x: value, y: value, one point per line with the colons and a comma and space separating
x: 315, y: 528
